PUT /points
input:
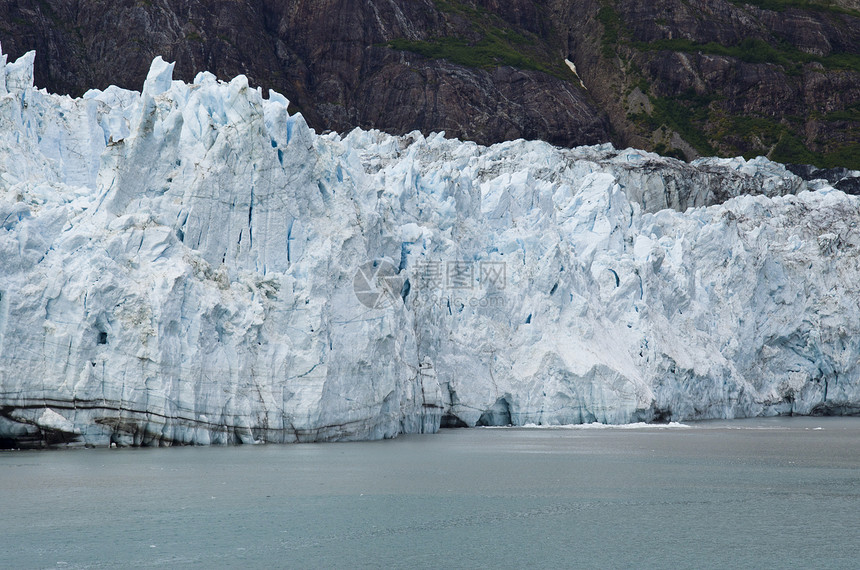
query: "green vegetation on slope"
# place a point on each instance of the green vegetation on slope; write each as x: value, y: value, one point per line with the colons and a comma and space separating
x: 612, y: 26
x: 685, y: 114
x: 703, y: 121
x: 492, y: 50
x: 782, y: 140
x: 498, y: 44
x: 782, y: 5
x: 754, y: 50
x: 852, y: 113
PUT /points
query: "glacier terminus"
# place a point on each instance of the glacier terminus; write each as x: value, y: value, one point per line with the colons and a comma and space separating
x: 191, y: 264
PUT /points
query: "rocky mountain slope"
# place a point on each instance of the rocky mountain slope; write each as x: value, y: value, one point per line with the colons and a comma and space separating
x: 192, y: 264
x: 684, y: 77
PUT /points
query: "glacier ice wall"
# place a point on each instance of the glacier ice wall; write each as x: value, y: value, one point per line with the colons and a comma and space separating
x: 180, y: 266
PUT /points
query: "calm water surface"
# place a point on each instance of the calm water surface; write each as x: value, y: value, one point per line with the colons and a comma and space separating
x: 749, y: 493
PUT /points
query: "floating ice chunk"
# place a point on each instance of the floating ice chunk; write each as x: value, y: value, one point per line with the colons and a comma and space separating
x: 597, y: 425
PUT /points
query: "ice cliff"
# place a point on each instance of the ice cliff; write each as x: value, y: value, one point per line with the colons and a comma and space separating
x: 192, y: 264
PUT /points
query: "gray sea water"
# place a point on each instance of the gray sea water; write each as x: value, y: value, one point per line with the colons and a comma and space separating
x: 748, y: 493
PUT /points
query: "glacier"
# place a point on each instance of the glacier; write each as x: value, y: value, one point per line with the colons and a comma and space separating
x: 191, y: 264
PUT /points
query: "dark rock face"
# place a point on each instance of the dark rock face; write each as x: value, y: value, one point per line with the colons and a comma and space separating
x: 484, y: 106
x: 728, y: 77
x: 83, y: 43
x: 687, y: 77
x: 841, y: 178
x: 328, y: 56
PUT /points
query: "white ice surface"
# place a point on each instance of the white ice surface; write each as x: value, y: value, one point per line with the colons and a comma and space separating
x: 178, y: 266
